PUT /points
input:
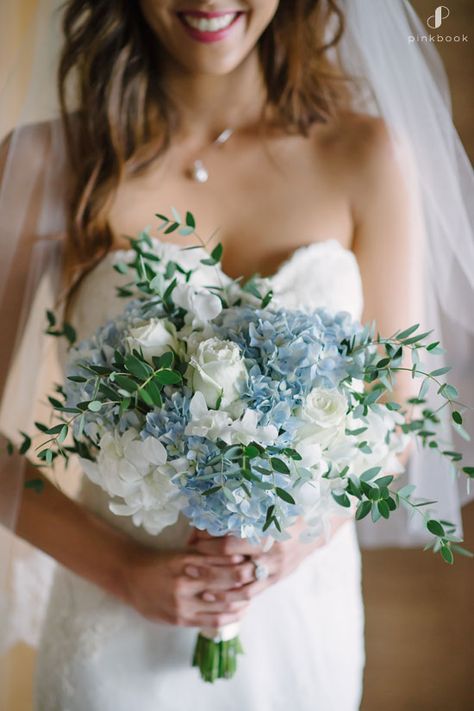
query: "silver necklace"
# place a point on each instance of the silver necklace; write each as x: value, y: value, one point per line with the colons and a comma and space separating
x: 198, y: 171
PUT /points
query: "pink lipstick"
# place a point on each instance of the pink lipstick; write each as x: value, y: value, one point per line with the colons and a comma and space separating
x: 209, y: 26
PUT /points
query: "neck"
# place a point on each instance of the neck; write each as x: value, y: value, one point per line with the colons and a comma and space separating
x: 207, y: 104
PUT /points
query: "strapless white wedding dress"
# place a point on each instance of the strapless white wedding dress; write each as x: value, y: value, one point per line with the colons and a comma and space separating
x: 303, y: 637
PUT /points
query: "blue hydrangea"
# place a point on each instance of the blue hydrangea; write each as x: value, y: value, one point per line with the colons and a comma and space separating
x: 287, y: 354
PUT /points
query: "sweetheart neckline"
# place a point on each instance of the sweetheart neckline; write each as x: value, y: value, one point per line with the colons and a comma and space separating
x: 303, y: 249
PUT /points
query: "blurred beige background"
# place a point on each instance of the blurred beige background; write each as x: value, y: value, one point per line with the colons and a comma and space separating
x: 419, y: 612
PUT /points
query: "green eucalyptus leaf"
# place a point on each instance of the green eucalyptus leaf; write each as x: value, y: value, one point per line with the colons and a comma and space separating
x: 153, y: 391
x: 190, y: 221
x: 137, y: 367
x: 267, y: 298
x: 407, y: 332
x: 126, y: 383
x: 63, y: 434
x: 425, y: 386
x: 94, y: 406
x: 435, y: 527
x: 168, y: 377
x: 461, y: 431
x: 375, y: 513
x: 212, y: 490
x: 341, y: 499
x: 176, y: 215
x: 171, y: 228
x: 449, y: 391
x: 283, y: 494
x: 70, y: 333
x: 462, y: 551
x: 392, y: 504
x: 363, y: 509
x: 447, y: 554
x: 26, y: 444
x: 121, y: 268
x: 165, y: 360
x: 415, y: 339
x: 279, y: 465
x: 147, y: 399
x: 457, y: 417
x: 407, y: 490
x: 440, y: 371
x: 356, y: 432
x: 370, y: 473
x: 251, y: 451
x: 77, y: 378
x: 384, y: 481
x: 36, y: 484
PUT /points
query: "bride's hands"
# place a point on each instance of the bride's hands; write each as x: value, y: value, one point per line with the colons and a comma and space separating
x: 168, y: 586
x: 280, y: 561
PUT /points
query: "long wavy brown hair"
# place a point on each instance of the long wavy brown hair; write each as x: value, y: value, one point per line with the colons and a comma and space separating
x: 123, y: 120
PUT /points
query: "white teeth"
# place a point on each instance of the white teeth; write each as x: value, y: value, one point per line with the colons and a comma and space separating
x: 212, y: 24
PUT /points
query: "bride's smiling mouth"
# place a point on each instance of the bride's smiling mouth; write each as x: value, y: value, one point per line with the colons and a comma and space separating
x: 210, y: 26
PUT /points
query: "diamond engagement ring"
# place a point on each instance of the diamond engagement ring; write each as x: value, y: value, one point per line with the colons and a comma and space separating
x: 261, y: 571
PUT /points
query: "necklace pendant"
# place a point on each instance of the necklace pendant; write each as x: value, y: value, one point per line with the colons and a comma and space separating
x: 199, y: 172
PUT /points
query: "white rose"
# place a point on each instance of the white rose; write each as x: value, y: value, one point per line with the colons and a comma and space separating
x: 153, y: 339
x: 325, y: 408
x: 323, y: 418
x: 200, y: 303
x: 217, y: 368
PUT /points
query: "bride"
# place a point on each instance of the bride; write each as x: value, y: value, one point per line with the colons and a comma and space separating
x: 237, y: 112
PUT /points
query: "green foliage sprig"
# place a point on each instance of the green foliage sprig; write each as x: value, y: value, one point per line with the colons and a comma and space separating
x: 131, y: 383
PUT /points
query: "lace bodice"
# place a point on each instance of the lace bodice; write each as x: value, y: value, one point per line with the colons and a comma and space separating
x: 318, y: 274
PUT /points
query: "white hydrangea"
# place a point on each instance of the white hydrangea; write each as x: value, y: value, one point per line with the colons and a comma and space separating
x: 135, y: 472
x: 215, y: 424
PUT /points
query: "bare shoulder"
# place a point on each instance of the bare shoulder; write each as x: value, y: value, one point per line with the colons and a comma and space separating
x: 361, y: 143
x: 373, y: 166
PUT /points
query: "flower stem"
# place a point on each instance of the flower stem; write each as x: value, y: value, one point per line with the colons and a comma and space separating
x: 216, y: 660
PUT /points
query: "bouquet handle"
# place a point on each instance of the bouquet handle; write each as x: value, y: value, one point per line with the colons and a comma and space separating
x: 216, y: 651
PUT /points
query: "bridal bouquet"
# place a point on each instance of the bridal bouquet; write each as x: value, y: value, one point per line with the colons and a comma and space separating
x: 216, y: 403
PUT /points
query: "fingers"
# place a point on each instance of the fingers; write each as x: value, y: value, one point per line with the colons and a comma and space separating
x: 221, y: 606
x: 243, y: 594
x: 220, y: 577
x: 198, y: 560
x: 226, y: 545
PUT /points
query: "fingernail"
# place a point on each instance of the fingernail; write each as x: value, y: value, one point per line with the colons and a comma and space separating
x: 208, y: 597
x: 238, y: 558
x: 192, y: 571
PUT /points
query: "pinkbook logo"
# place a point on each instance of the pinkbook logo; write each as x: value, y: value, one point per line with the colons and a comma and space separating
x: 440, y: 14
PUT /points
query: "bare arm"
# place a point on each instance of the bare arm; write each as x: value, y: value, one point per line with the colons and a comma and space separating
x: 73, y: 536
x: 388, y: 237
x: 162, y: 586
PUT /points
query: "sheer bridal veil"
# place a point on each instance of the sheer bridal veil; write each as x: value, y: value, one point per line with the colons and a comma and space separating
x: 400, y: 78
